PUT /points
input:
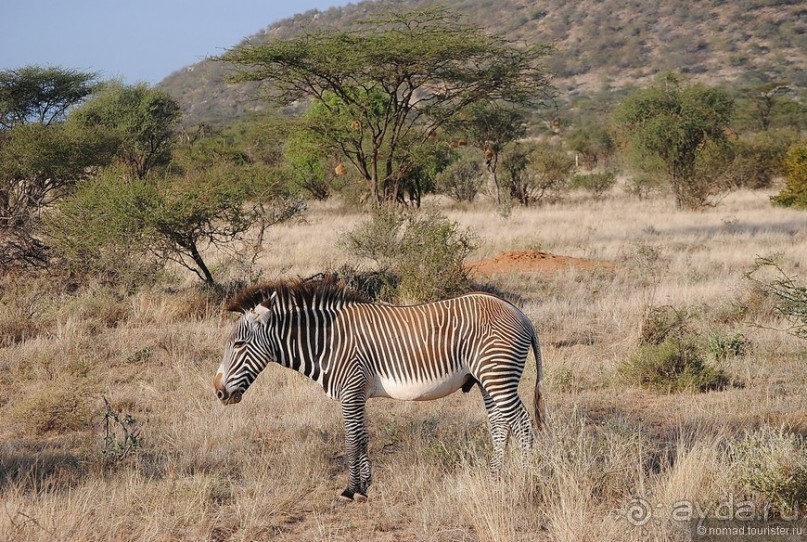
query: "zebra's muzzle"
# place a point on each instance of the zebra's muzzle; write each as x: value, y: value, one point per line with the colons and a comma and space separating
x: 234, y: 398
x: 229, y: 398
x: 225, y: 396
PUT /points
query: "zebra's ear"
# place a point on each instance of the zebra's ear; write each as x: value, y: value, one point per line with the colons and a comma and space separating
x: 262, y: 314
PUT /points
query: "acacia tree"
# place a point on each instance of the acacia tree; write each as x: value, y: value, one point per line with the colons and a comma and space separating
x: 392, y: 84
x: 212, y: 207
x: 764, y: 99
x: 673, y: 125
x: 112, y: 226
x: 41, y: 157
x: 33, y: 94
x: 490, y: 127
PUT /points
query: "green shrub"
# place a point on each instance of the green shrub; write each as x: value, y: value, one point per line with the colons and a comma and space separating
x: 673, y: 365
x: 379, y: 237
x: 100, y: 232
x: 597, y: 184
x: 794, y: 193
x: 123, y: 231
x: 722, y: 345
x: 772, y: 463
x: 423, y: 251
x: 462, y: 179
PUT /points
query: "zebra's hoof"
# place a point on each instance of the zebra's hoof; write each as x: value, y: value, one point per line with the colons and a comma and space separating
x: 359, y: 497
x: 346, y: 495
x: 353, y: 496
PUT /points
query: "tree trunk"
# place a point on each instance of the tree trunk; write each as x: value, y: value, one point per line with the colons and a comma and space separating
x: 200, y: 263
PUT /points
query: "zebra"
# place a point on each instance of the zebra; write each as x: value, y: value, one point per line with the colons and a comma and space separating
x: 356, y: 349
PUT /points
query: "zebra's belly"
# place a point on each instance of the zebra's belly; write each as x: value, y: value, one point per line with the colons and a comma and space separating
x: 417, y: 390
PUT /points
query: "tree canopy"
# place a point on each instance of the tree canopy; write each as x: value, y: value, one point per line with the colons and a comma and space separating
x: 140, y: 118
x: 33, y: 94
x: 392, y: 83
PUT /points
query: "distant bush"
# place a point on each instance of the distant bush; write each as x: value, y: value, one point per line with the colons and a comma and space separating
x: 593, y: 142
x: 757, y: 160
x: 597, y: 184
x: 461, y: 179
x: 664, y: 323
x: 645, y: 185
x: 794, y: 193
x: 679, y: 130
x: 772, y: 463
x: 723, y: 345
x: 537, y: 174
x: 424, y: 251
x: 673, y: 365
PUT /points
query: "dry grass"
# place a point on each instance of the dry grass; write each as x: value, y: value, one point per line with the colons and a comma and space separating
x: 271, y: 467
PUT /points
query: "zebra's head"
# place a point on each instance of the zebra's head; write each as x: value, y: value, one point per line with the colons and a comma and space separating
x: 245, y: 355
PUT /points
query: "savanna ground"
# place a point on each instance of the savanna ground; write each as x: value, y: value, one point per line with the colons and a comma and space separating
x: 271, y: 467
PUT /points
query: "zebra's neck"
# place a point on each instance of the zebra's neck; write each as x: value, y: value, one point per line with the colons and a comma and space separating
x: 302, y: 336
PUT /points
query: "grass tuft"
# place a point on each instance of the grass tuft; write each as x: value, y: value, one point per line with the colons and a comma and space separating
x: 56, y: 407
x: 773, y: 463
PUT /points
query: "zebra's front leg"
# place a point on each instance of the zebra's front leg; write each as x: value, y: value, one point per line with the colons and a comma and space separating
x: 356, y: 444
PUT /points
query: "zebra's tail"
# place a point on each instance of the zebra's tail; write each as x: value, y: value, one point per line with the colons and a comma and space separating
x: 538, y: 400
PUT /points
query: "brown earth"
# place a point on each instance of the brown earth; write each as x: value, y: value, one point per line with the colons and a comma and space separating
x: 533, y: 261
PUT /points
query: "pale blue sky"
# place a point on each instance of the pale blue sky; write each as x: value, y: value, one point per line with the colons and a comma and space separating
x: 135, y: 40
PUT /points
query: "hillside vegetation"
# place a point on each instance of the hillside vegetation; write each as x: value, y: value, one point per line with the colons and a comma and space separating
x: 598, y: 45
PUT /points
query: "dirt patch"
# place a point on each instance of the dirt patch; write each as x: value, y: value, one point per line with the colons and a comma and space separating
x: 533, y: 261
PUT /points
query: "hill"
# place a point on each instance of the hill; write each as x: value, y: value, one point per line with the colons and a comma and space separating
x: 598, y: 44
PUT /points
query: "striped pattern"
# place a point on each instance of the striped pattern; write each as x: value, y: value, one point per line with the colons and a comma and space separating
x: 356, y: 350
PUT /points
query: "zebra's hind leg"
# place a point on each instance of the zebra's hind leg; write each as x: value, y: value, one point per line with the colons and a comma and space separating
x: 356, y: 444
x: 523, y: 429
x: 512, y: 410
x: 499, y: 430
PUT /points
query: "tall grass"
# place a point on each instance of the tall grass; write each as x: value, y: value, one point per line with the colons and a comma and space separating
x: 272, y: 466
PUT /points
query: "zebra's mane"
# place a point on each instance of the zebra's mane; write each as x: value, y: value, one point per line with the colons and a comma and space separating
x: 302, y: 291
